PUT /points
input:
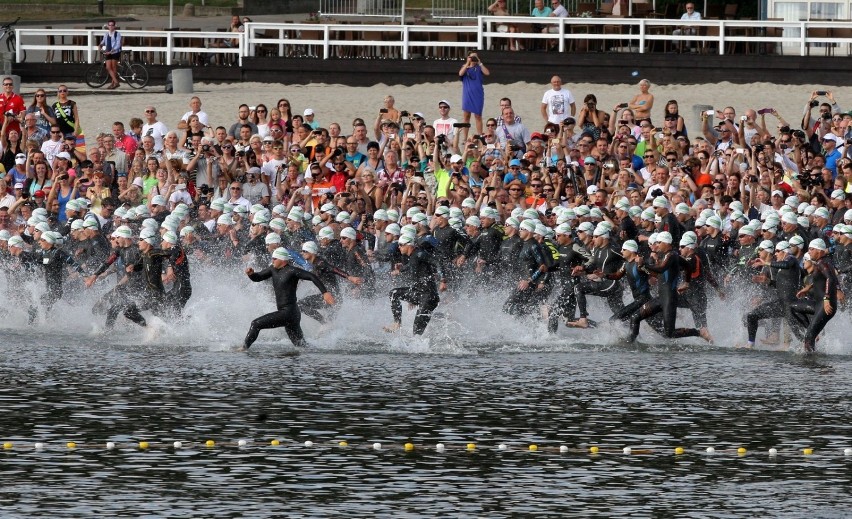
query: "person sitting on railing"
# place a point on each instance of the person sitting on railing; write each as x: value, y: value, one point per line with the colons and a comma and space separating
x: 499, y: 8
x: 690, y: 15
x: 228, y: 43
x: 558, y: 11
x: 111, y: 47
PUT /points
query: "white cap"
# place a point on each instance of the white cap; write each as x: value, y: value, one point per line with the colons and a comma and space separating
x: 682, y: 208
x: 405, y: 240
x: 90, y: 223
x: 822, y: 212
x: 272, y: 239
x: 540, y: 229
x: 622, y: 204
x: 846, y: 216
x: 348, y: 232
x: 792, y: 201
x: 512, y: 222
x: 170, y: 237
x: 48, y: 237
x: 601, y: 230
x: 150, y: 223
x: 804, y: 222
x: 790, y: 218
x: 769, y: 226
x: 342, y: 217
x: 393, y: 215
x: 488, y: 212
x: 782, y: 246
x: 831, y: 137
x: 596, y: 213
x: 468, y: 203
x: 664, y: 237
x: 393, y: 229
x: 817, y: 244
x: 20, y: 158
x: 714, y: 222
x: 807, y: 257
x: 187, y: 230
x: 528, y: 225
x: 746, y: 230
x: 455, y: 158
x: 308, y: 111
x: 279, y: 209
x: 767, y: 245
x: 689, y: 239
x: 630, y: 245
x: 16, y: 241
x: 281, y: 254
x: 76, y: 225
x: 138, y: 182
x: 381, y: 215
x: 591, y: 190
x: 420, y: 218
x: 149, y: 235
x: 412, y: 211
x: 63, y: 155
x: 586, y: 227
x: 310, y: 247
x: 158, y: 200
x: 797, y: 241
x: 473, y: 221
x: 563, y: 228
x: 648, y: 214
x: 278, y: 224
x: 326, y: 233
x: 661, y: 201
x: 444, y: 101
x: 224, y: 220
x: 260, y: 219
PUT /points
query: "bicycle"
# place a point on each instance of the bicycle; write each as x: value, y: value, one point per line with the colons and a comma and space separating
x: 7, y: 31
x: 134, y: 74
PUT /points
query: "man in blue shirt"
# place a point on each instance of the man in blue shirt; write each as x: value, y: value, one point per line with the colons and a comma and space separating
x: 515, y: 173
x: 830, y: 142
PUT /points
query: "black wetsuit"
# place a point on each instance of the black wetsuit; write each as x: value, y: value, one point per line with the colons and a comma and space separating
x: 420, y: 271
x: 607, y: 260
x: 667, y: 270
x: 697, y: 274
x: 486, y: 247
x: 510, y: 268
x: 284, y: 283
x: 809, y: 313
x: 151, y: 297
x: 53, y: 261
x: 785, y: 277
x: 535, y: 260
x: 640, y: 288
x: 181, y: 290
x: 328, y: 274
x: 572, y: 255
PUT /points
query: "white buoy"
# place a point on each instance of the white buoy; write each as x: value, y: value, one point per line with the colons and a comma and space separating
x: 627, y: 450
x: 711, y: 450
x: 110, y: 446
x: 439, y: 447
x: 177, y: 445
x: 39, y: 446
x: 847, y: 452
x: 563, y: 448
x: 309, y: 443
x: 502, y: 446
x: 773, y: 451
x: 377, y: 446
x: 241, y: 443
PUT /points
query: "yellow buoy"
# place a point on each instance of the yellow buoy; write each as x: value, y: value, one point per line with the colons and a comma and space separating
x: 471, y: 446
x: 143, y: 445
x: 409, y: 446
x: 679, y: 450
x: 71, y: 445
x: 210, y: 443
x: 7, y: 445
x: 807, y: 452
x: 342, y: 444
x: 594, y: 449
x: 533, y: 447
x: 275, y: 443
x: 741, y: 451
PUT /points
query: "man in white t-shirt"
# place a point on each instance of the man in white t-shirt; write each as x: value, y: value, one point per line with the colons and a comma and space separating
x: 444, y: 124
x: 194, y: 109
x: 691, y: 15
x: 556, y: 103
x: 154, y: 128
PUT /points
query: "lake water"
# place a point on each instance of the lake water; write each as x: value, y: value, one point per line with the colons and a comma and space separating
x: 477, y: 378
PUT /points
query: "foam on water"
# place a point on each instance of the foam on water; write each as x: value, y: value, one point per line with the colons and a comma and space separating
x: 224, y: 302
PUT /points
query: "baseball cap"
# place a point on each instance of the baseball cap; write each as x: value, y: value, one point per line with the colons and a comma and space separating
x: 20, y: 158
x: 308, y: 111
x: 445, y: 102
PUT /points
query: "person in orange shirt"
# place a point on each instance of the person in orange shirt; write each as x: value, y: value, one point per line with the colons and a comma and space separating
x: 536, y: 199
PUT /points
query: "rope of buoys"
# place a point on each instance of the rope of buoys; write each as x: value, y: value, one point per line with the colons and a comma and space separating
x: 592, y: 450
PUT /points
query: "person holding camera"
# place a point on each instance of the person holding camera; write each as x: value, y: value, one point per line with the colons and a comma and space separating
x: 472, y: 74
x: 11, y: 105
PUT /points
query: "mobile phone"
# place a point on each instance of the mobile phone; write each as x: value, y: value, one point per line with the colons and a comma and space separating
x: 659, y: 135
x: 252, y: 108
x: 821, y: 92
x: 410, y: 136
x: 710, y: 112
x: 554, y: 141
x: 383, y: 111
x: 461, y: 125
x: 404, y: 113
x: 491, y: 146
x: 738, y: 150
x: 622, y: 105
x: 743, y: 118
x: 622, y: 121
x: 765, y: 111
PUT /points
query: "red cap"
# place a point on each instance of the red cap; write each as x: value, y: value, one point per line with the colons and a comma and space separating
x: 537, y: 135
x: 39, y: 194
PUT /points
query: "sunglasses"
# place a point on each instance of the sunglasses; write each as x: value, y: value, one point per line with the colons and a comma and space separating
x: 261, y: 111
x: 294, y: 150
x: 535, y: 185
x: 236, y: 189
x: 62, y: 90
x: 150, y: 111
x: 514, y: 189
x: 54, y: 133
x: 277, y: 147
x: 227, y: 147
x: 40, y: 95
x: 8, y: 84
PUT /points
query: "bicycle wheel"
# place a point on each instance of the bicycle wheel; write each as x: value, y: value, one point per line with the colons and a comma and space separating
x: 96, y: 75
x: 10, y: 45
x: 138, y: 76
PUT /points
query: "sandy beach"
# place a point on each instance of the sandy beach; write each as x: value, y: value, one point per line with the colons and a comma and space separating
x: 341, y: 103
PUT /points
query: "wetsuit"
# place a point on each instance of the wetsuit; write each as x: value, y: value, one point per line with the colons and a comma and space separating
x: 420, y: 271
x: 334, y: 253
x: 356, y: 263
x: 449, y: 243
x: 486, y: 247
x: 53, y: 261
x: 785, y: 277
x: 328, y: 274
x: 510, y: 268
x: 667, y: 270
x: 809, y: 313
x: 121, y: 257
x: 640, y: 288
x: 152, y: 297
x: 181, y: 290
x: 572, y: 255
x: 697, y: 274
x: 284, y: 283
x: 607, y: 260
x: 536, y: 262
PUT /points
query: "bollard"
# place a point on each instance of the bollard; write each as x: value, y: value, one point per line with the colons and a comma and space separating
x: 695, y: 128
x: 189, y: 10
x: 182, y: 81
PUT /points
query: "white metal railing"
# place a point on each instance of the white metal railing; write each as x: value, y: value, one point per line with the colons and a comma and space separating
x: 163, y: 46
x: 365, y: 8
x: 445, y: 41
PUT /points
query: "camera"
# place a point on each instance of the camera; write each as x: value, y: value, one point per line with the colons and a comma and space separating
x: 810, y: 180
x: 752, y: 179
x: 799, y: 134
x: 514, y: 147
x: 338, y: 151
x: 10, y: 113
x: 205, y: 189
x: 474, y: 59
x: 383, y: 110
x: 758, y: 148
x: 821, y: 92
x: 657, y: 192
x: 441, y: 139
x: 621, y: 106
x: 784, y: 129
x: 814, y: 103
x: 205, y: 147
x: 241, y: 153
x: 404, y: 113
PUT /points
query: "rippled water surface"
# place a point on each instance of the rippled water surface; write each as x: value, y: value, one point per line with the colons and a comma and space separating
x: 59, y: 388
